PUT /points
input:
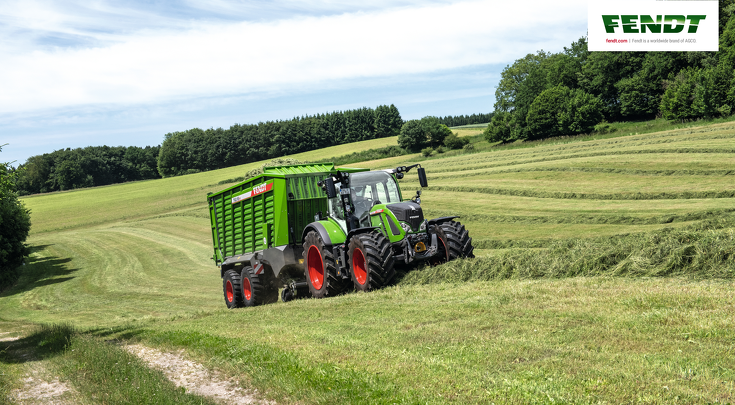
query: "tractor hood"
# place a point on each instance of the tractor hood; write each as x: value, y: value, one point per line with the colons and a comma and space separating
x: 409, y: 212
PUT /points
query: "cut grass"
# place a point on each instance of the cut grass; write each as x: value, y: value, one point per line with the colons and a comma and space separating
x: 704, y: 251
x: 577, y: 340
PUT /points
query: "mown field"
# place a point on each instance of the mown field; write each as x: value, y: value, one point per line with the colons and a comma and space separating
x: 605, y: 275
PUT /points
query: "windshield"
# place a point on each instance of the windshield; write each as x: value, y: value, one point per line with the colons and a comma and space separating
x: 367, y: 189
x: 370, y: 188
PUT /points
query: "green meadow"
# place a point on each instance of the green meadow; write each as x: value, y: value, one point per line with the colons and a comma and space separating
x: 604, y: 275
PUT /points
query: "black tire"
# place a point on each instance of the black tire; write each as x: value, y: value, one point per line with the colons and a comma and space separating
x: 232, y: 289
x: 320, y: 268
x: 458, y: 239
x: 257, y: 289
x: 371, y: 261
x: 442, y: 254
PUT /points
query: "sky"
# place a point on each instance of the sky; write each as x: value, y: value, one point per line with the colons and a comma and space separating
x: 97, y: 72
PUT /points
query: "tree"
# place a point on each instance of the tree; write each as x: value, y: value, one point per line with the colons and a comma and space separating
x: 412, y: 136
x: 677, y: 101
x: 15, y: 224
x: 545, y: 114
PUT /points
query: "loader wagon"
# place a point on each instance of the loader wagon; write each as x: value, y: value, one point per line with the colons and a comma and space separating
x: 313, y: 230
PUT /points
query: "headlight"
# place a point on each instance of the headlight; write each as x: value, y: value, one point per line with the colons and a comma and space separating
x: 423, y: 226
x: 406, y: 227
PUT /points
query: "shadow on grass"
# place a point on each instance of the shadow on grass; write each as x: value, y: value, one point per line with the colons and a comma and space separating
x: 40, y: 271
x: 44, y: 342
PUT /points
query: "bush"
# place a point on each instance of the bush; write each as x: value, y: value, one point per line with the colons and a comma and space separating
x: 439, y: 149
x: 499, y: 129
x: 468, y: 148
x: 15, y: 224
x: 453, y: 141
x: 426, y: 152
x: 603, y: 128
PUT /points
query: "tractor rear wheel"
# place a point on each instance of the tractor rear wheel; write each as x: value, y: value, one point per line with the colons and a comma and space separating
x: 458, y: 240
x: 231, y: 288
x: 320, y: 268
x: 257, y: 289
x: 371, y: 261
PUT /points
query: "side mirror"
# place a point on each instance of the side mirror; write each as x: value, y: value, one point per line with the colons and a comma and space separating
x: 422, y: 177
x: 331, y: 191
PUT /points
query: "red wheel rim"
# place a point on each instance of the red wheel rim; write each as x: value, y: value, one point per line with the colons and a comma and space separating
x: 247, y: 290
x: 229, y: 291
x: 358, y: 266
x: 316, y: 267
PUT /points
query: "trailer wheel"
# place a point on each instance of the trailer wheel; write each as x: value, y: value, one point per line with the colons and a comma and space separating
x: 232, y: 289
x: 371, y: 261
x: 458, y: 240
x: 442, y: 254
x: 320, y: 268
x: 257, y: 289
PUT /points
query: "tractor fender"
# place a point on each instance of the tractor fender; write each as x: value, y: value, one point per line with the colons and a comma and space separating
x: 440, y: 220
x: 329, y: 231
x: 358, y: 231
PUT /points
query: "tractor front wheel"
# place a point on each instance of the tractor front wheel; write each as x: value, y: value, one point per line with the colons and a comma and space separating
x: 257, y: 289
x: 231, y: 288
x: 442, y: 252
x: 371, y: 261
x: 320, y: 268
x: 458, y: 240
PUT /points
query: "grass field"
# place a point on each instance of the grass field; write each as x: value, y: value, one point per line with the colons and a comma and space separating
x: 131, y: 262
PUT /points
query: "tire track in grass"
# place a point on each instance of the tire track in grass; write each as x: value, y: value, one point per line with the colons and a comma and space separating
x: 195, y: 378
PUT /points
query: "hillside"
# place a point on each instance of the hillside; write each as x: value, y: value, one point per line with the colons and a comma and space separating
x: 131, y: 262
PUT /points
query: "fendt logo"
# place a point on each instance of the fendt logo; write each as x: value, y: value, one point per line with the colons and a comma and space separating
x: 261, y: 188
x: 652, y: 25
x: 641, y: 24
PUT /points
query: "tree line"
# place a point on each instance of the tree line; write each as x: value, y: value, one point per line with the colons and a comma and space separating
x: 198, y: 150
x: 92, y: 166
x: 459, y: 120
x: 547, y: 94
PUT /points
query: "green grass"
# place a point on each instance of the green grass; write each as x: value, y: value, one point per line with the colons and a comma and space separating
x: 645, y: 220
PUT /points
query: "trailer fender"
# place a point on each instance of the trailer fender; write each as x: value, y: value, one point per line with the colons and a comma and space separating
x: 441, y: 220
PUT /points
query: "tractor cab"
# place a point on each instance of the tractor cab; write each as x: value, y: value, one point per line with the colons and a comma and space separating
x: 358, y: 194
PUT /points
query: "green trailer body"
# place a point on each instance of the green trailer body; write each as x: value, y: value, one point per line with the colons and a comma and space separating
x: 269, y: 211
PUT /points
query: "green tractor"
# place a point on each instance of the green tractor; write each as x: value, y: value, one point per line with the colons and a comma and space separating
x: 319, y: 231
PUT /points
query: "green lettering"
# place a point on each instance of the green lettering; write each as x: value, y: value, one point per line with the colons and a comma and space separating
x: 610, y: 23
x: 674, y: 28
x: 648, y: 23
x: 694, y: 22
x: 630, y: 22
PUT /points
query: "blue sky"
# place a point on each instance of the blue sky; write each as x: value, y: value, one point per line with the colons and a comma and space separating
x: 95, y: 72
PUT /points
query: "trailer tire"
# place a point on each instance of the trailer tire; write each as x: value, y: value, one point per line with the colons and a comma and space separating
x: 320, y: 268
x: 458, y: 240
x: 232, y: 289
x: 371, y: 261
x: 257, y: 289
x: 442, y: 254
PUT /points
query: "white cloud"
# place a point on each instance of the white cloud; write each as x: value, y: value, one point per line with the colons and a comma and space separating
x: 236, y: 58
